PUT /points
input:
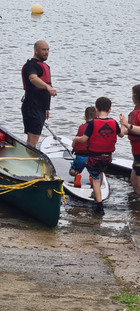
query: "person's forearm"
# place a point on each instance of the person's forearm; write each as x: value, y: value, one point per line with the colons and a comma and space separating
x: 123, y: 131
x: 123, y: 120
x: 40, y: 84
x: 130, y: 127
x: 81, y: 139
x: 133, y: 128
x: 36, y: 81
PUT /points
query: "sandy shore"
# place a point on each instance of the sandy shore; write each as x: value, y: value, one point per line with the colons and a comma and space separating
x: 77, y: 267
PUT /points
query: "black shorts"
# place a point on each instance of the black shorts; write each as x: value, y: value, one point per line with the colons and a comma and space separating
x: 136, y: 164
x: 33, y: 125
x: 33, y: 119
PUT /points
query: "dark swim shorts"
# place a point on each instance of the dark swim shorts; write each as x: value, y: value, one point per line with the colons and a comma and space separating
x: 136, y: 164
x: 33, y: 123
x: 98, y: 164
x: 33, y: 126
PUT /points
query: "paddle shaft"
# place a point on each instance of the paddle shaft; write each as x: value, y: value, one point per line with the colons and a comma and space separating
x: 58, y: 139
x: 2, y: 145
x: 19, y: 159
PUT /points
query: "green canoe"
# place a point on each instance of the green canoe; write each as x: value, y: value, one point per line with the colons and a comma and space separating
x: 28, y: 180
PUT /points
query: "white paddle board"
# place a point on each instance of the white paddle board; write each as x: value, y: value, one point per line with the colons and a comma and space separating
x: 62, y: 159
x: 121, y: 166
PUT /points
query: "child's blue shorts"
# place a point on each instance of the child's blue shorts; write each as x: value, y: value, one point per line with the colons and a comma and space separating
x: 79, y: 163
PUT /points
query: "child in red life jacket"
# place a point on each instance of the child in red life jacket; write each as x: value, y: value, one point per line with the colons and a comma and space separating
x: 102, y: 135
x: 81, y: 149
x: 133, y: 126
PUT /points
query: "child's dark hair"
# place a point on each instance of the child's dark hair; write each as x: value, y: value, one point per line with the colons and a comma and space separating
x: 103, y: 104
x: 136, y: 92
x: 90, y: 113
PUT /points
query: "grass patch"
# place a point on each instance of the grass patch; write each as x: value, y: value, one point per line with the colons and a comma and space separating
x: 108, y: 261
x: 131, y: 301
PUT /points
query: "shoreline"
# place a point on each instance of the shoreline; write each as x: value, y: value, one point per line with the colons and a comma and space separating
x: 75, y: 267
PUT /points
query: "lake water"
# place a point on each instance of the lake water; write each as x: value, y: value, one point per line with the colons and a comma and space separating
x: 94, y: 51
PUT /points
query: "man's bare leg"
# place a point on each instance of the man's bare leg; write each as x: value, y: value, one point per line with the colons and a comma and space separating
x: 32, y: 139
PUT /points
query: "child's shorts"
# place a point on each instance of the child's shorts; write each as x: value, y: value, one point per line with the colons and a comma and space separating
x: 79, y: 163
x: 97, y: 165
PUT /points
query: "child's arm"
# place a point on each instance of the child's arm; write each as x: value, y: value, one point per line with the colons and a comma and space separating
x: 123, y: 131
x: 80, y: 139
x: 123, y: 127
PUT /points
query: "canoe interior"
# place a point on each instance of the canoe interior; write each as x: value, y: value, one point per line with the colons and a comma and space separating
x: 24, y: 165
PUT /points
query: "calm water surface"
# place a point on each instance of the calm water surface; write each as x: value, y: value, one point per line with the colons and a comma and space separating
x: 94, y: 51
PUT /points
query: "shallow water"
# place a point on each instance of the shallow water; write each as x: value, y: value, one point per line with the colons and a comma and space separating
x: 94, y: 52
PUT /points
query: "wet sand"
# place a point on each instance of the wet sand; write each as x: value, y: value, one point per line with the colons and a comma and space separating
x: 75, y: 266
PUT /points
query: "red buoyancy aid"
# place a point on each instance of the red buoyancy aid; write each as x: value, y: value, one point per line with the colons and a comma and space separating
x: 134, y: 118
x: 104, y: 136
x: 81, y: 147
x: 46, y: 75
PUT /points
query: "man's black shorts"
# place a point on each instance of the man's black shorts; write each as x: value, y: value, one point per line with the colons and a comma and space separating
x: 33, y: 125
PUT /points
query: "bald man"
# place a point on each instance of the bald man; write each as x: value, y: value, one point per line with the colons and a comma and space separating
x: 36, y: 79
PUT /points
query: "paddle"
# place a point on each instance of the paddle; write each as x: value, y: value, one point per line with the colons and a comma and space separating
x: 3, y: 145
x: 60, y: 141
x: 20, y: 159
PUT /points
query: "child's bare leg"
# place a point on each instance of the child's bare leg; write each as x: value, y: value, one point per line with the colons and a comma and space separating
x: 97, y: 189
x: 98, y: 195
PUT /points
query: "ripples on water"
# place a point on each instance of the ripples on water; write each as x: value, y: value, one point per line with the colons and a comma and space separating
x: 94, y: 51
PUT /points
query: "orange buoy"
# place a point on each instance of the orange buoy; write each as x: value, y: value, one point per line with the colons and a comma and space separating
x: 36, y: 9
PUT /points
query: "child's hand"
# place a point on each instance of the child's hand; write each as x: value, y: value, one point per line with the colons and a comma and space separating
x: 123, y: 121
x: 121, y: 115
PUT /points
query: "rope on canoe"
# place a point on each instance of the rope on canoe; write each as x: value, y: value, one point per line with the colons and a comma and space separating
x: 7, y: 188
x: 62, y: 193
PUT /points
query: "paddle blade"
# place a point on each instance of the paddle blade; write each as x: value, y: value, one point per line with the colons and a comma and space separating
x: 67, y: 155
